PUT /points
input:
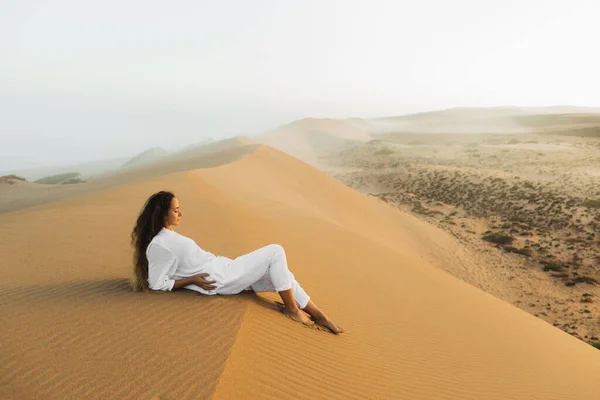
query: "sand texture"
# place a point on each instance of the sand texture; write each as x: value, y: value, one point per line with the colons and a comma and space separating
x: 72, y: 328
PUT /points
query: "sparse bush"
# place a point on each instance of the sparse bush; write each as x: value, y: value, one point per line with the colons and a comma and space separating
x: 581, y: 279
x: 596, y: 345
x: 555, y: 267
x: 514, y: 141
x: 499, y: 238
x: 516, y: 250
x: 585, y: 279
x: 591, y: 203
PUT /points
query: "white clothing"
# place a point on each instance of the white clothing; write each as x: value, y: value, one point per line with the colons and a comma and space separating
x: 172, y: 256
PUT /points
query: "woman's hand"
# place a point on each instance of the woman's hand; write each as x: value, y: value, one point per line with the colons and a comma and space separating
x: 200, y: 280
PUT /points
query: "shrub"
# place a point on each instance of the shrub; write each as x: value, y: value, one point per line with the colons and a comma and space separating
x: 524, y: 252
x: 585, y: 279
x: 591, y: 203
x: 499, y: 238
x: 556, y: 267
x: 581, y: 279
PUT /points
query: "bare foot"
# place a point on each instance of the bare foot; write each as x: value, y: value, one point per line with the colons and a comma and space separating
x: 298, y: 315
x: 327, y: 323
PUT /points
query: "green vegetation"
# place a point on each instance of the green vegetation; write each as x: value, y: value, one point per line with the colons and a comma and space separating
x: 58, y: 179
x: 72, y: 180
x: 10, y: 179
x: 15, y: 177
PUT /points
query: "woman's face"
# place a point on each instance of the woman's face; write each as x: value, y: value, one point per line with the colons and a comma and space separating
x: 174, y: 215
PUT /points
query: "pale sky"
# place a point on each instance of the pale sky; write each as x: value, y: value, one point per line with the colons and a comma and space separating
x: 84, y: 80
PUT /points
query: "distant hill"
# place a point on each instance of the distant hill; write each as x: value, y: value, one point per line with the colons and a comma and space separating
x: 146, y: 156
x: 62, y: 179
x: 465, y: 120
x: 88, y: 169
x: 563, y: 124
x: 198, y: 144
x: 11, y: 179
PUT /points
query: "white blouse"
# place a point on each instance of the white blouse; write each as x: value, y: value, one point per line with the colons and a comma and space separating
x: 172, y: 257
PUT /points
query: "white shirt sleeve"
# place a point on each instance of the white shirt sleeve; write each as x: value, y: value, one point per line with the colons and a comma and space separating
x: 160, y: 262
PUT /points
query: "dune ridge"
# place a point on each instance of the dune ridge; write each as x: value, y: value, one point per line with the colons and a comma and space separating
x: 310, y: 138
x: 28, y: 194
x: 73, y: 329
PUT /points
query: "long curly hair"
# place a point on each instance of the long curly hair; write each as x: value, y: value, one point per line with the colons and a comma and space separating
x: 150, y: 221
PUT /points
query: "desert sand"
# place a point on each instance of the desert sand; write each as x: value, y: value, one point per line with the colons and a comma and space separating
x: 72, y: 328
x: 536, y: 190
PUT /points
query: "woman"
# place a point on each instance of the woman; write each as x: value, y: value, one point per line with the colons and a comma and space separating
x: 166, y: 260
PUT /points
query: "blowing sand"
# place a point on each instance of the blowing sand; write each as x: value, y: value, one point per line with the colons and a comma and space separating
x: 71, y: 327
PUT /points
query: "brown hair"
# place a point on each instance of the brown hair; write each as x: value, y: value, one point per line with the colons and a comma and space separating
x: 150, y: 221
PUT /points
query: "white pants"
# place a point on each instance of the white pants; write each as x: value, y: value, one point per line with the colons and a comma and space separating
x: 263, y: 270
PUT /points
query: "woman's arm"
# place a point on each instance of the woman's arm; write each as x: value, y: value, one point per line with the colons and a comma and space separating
x: 195, y: 280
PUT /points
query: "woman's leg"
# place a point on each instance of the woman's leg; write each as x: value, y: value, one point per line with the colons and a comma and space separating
x: 266, y: 270
x: 320, y: 318
x: 296, y: 298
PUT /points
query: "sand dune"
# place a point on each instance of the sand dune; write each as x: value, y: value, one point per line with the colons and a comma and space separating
x: 72, y: 328
x: 146, y: 157
x: 309, y: 138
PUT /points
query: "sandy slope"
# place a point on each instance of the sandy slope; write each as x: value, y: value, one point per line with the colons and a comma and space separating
x: 71, y: 328
x: 309, y: 138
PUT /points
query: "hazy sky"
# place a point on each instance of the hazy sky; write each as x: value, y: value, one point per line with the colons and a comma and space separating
x: 86, y: 80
